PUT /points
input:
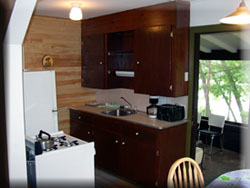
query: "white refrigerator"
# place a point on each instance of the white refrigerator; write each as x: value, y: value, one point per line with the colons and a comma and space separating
x: 40, y: 102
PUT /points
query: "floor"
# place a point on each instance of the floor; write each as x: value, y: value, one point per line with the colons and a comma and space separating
x: 219, y: 163
x: 106, y: 180
x: 213, y: 166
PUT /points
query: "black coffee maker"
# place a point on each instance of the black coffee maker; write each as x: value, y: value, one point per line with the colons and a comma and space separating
x: 152, y: 109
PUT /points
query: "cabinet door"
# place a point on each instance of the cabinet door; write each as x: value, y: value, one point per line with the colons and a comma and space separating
x: 81, y: 126
x: 107, y: 145
x: 93, y: 61
x: 139, y: 155
x: 153, y: 60
x: 139, y: 161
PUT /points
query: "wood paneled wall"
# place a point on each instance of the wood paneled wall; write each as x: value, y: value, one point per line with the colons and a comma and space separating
x: 61, y: 39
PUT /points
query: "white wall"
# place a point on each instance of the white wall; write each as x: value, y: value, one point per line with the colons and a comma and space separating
x: 15, y: 34
x: 209, y: 12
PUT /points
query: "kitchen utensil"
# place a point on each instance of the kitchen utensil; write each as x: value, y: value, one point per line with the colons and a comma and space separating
x: 46, y: 142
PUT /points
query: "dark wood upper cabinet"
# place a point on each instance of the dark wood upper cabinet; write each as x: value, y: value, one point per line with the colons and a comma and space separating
x: 93, y: 61
x: 120, y: 57
x: 151, y: 41
x: 153, y: 60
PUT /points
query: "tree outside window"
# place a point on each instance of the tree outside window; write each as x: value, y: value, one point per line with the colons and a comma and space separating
x: 224, y: 88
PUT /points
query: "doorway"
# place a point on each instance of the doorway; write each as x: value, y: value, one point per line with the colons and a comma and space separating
x: 198, y: 53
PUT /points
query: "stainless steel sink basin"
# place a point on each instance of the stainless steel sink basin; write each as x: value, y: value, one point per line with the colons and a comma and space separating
x: 119, y: 112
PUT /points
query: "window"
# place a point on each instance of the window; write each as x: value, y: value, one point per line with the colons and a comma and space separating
x: 224, y: 87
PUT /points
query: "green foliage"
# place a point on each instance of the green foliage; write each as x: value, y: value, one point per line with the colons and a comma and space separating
x: 226, y: 79
x: 202, y: 110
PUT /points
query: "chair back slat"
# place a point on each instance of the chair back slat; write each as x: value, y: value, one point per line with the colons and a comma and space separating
x: 196, y: 179
x: 185, y: 176
x: 175, y: 181
x: 190, y: 174
x: 185, y: 172
x: 180, y: 177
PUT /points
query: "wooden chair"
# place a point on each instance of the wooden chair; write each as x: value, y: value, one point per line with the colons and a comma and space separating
x: 185, y: 173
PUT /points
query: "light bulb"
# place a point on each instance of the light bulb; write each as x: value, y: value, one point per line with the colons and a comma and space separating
x: 75, y: 12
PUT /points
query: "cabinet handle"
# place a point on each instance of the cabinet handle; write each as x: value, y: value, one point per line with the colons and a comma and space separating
x: 137, y: 133
x: 79, y: 117
x: 123, y: 143
x: 100, y: 62
x: 89, y: 132
x: 171, y: 87
x: 109, y: 72
x: 138, y: 62
x: 116, y: 141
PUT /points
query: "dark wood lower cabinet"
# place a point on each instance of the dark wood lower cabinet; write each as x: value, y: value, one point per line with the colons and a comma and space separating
x: 81, y: 125
x: 107, y: 149
x: 137, y: 152
x: 139, y: 162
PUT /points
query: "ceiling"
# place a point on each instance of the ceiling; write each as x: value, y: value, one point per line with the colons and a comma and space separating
x: 229, y: 41
x: 91, y: 8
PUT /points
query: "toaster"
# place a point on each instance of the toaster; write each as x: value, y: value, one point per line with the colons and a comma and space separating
x: 170, y: 112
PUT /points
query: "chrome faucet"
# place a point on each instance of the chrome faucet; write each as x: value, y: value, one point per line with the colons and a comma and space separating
x: 130, y: 105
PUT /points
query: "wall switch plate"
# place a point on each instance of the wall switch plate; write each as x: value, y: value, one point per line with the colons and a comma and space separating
x: 186, y: 76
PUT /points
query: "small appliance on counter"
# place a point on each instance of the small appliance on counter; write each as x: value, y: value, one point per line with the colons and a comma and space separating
x: 170, y: 112
x: 152, y: 109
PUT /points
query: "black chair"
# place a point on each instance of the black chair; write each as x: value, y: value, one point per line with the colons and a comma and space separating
x: 215, y: 122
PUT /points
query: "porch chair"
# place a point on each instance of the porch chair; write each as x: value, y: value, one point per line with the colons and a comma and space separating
x: 214, y: 121
x: 185, y: 172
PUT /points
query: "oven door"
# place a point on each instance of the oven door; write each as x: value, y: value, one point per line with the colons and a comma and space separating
x: 70, y: 167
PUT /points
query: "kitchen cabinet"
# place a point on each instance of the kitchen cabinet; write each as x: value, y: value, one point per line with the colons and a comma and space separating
x: 93, y: 61
x: 139, y: 155
x: 152, y: 42
x: 120, y: 57
x: 107, y: 143
x: 107, y: 146
x: 81, y: 125
x: 153, y: 60
x: 142, y: 154
x: 122, y: 148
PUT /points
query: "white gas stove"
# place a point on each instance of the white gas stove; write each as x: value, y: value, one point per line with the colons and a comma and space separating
x: 70, y: 162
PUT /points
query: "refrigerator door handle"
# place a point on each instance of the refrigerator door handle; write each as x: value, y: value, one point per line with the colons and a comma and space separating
x: 54, y: 110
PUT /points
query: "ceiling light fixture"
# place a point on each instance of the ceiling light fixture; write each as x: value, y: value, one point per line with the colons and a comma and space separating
x: 75, y: 12
x: 240, y: 17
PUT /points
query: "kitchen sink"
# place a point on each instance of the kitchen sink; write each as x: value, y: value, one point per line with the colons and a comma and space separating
x: 119, y: 112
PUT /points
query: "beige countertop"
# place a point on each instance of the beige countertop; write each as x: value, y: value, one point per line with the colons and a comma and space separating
x: 137, y: 118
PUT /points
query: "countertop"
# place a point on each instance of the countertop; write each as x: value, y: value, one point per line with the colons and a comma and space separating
x: 137, y: 118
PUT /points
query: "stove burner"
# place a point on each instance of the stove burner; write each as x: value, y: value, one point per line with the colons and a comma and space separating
x: 63, y: 137
x: 52, y: 148
x: 68, y: 143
